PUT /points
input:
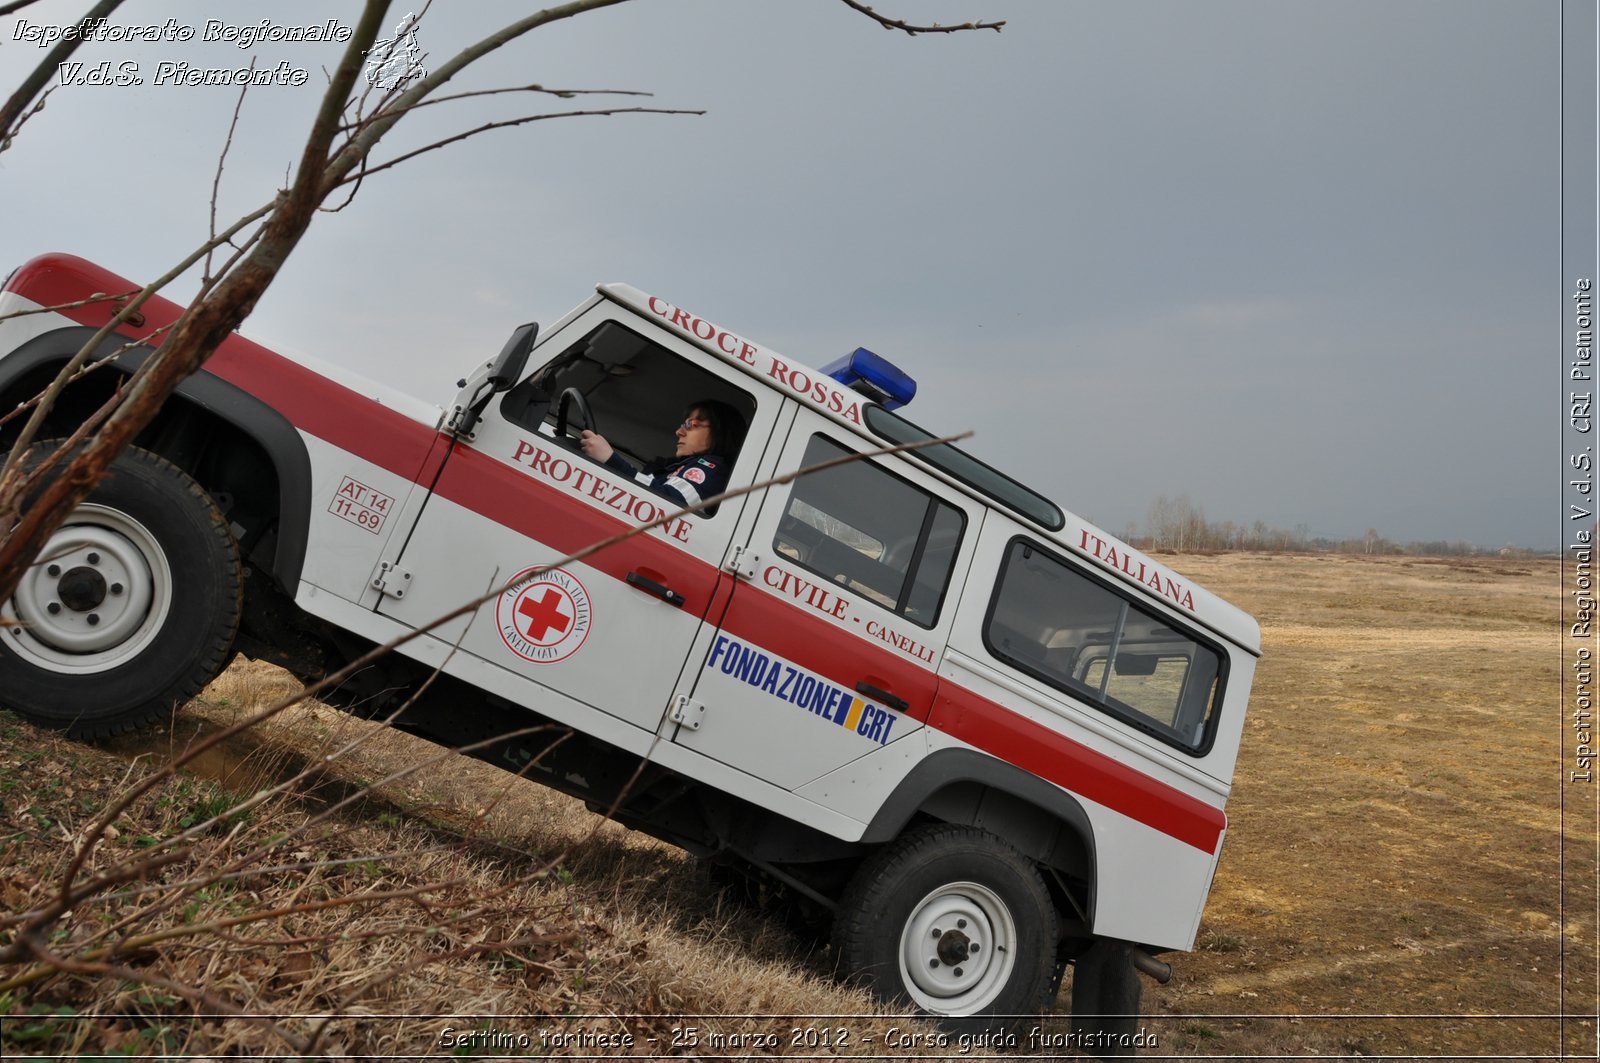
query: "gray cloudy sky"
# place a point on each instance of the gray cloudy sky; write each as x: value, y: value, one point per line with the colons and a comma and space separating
x: 1297, y: 260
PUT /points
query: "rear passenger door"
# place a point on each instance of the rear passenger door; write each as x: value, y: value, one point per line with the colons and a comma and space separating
x: 829, y: 646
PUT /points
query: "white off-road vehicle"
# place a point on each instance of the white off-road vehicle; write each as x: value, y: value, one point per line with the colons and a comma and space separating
x: 989, y: 740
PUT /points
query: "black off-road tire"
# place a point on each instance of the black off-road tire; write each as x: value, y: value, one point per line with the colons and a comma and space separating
x: 908, y: 923
x: 131, y: 608
x: 1105, y: 999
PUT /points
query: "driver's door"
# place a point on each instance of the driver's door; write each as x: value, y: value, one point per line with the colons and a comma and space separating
x: 612, y: 630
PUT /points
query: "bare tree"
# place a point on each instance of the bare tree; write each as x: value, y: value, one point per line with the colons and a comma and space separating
x: 350, y: 124
x: 1176, y: 524
x: 338, y: 154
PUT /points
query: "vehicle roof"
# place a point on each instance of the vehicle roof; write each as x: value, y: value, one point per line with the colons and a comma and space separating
x: 1099, y: 550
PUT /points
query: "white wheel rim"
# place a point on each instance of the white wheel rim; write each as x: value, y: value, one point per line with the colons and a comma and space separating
x: 96, y: 597
x: 958, y: 949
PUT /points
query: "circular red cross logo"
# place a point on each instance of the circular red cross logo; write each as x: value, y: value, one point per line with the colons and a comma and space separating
x: 544, y: 617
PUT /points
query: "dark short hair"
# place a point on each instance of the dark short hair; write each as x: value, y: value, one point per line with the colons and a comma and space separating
x: 726, y: 425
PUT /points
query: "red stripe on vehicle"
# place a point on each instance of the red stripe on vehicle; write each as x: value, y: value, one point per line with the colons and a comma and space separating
x: 1014, y: 738
x: 502, y: 493
x: 312, y: 402
x: 511, y: 497
x: 845, y: 658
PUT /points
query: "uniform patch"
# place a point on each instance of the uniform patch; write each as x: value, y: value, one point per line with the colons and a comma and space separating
x: 695, y: 476
x: 544, y: 617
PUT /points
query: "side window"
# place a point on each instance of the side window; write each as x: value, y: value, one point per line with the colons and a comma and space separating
x: 866, y: 529
x: 1082, y: 637
x: 638, y: 391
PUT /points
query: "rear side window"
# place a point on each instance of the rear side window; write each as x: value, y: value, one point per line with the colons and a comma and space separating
x: 1055, y: 623
x: 871, y: 532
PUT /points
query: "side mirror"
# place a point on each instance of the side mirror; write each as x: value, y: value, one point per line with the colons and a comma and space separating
x: 508, y: 364
x: 493, y: 378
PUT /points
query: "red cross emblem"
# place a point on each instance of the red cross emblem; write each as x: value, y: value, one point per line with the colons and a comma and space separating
x: 544, y: 617
x: 544, y: 614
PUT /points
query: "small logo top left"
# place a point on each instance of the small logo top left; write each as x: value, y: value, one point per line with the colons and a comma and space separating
x: 396, y: 60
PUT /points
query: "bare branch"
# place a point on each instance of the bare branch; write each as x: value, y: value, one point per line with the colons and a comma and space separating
x: 201, y: 329
x: 23, y: 119
x: 911, y: 30
x: 11, y: 112
x: 565, y: 94
x: 97, y: 297
x: 354, y: 152
x: 47, y: 401
x: 306, y: 191
x: 222, y: 157
x: 236, y: 876
x: 142, y: 977
x: 392, y: 91
x: 368, y: 171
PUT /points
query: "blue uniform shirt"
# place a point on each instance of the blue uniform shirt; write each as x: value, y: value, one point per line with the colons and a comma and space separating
x: 686, y: 481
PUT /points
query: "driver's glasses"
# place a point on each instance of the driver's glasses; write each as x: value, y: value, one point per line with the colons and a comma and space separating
x: 691, y: 424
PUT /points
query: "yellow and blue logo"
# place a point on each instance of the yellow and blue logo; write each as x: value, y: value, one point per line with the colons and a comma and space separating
x: 801, y: 689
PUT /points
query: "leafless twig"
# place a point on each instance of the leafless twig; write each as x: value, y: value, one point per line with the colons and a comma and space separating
x: 222, y: 157
x: 15, y: 6
x: 97, y: 297
x: 19, y: 106
x: 912, y: 30
x: 367, y: 171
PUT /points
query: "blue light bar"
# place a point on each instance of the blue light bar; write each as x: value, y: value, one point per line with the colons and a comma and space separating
x: 874, y: 377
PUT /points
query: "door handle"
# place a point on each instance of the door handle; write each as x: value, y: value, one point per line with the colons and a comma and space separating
x: 650, y: 586
x: 880, y: 695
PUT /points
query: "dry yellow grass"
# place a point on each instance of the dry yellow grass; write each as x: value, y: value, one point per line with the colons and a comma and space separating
x: 1394, y: 850
x: 1395, y: 842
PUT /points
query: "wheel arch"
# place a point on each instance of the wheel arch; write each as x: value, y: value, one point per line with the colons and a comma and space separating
x: 963, y: 786
x: 212, y: 429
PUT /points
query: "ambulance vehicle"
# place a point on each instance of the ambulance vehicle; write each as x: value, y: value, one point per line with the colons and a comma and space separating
x: 989, y: 741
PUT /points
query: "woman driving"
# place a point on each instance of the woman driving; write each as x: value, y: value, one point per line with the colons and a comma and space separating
x: 707, y: 440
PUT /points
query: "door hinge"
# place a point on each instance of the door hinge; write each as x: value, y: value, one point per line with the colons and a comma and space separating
x: 391, y: 580
x: 687, y: 711
x: 743, y: 562
x: 461, y: 422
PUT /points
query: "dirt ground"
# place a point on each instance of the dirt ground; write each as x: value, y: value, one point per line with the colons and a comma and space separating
x: 1399, y: 879
x: 1395, y: 848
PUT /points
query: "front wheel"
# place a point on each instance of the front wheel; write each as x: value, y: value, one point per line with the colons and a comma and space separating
x: 955, y: 921
x: 130, y: 608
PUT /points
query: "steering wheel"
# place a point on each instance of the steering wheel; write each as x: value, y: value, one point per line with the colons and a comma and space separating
x: 580, y: 405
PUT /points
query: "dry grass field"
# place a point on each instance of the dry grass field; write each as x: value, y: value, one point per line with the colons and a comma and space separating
x: 1395, y: 844
x: 1391, y: 884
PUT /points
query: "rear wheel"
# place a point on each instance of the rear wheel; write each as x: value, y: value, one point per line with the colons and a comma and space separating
x: 130, y: 608
x: 1105, y: 998
x: 955, y: 921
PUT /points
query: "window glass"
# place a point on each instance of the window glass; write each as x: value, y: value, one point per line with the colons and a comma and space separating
x: 933, y: 574
x: 637, y: 389
x: 871, y: 532
x: 1057, y: 624
x: 954, y: 461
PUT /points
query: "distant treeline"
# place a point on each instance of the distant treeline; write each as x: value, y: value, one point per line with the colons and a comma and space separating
x: 1178, y: 524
